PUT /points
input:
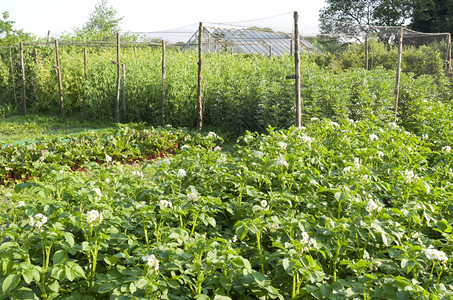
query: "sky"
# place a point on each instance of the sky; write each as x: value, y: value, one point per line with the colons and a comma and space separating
x: 59, y: 16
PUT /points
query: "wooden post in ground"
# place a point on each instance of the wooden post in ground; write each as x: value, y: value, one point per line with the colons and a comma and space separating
x: 163, y: 85
x: 12, y: 73
x: 200, y: 68
x: 291, y: 48
x: 366, y: 52
x: 448, y: 56
x: 297, y: 67
x: 124, y: 92
x: 60, y: 86
x: 36, y: 55
x: 85, y: 62
x: 118, y: 81
x: 398, y: 72
x: 24, y: 100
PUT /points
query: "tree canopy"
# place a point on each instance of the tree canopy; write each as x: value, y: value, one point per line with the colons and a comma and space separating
x: 368, y: 12
x: 432, y: 16
x: 8, y: 34
x: 420, y: 15
x: 102, y: 23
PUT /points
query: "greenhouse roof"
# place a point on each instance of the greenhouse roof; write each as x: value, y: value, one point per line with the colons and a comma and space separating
x: 250, y: 40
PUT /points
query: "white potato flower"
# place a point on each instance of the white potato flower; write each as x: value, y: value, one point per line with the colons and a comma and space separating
x: 94, y: 217
x: 182, y: 173
x: 282, y: 145
x: 282, y: 162
x: 151, y: 261
x: 38, y: 220
x: 373, y: 137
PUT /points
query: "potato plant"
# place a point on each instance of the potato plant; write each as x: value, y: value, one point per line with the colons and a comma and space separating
x: 336, y: 209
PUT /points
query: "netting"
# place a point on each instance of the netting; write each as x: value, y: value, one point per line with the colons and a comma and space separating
x: 335, y: 44
x: 89, y: 71
x: 377, y: 46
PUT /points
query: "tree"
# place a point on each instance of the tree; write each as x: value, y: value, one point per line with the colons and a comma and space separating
x: 349, y: 20
x: 102, y: 23
x: 368, y: 12
x: 9, y: 35
x: 432, y: 16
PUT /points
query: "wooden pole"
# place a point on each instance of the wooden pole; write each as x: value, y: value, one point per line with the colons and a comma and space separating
x: 163, y: 84
x: 398, y: 71
x: 24, y: 100
x: 366, y: 52
x: 60, y: 86
x: 291, y: 48
x: 448, y: 58
x: 12, y: 73
x: 297, y: 67
x: 200, y: 68
x: 36, y: 56
x: 124, y: 92
x: 118, y: 81
x: 35, y: 52
x: 85, y: 73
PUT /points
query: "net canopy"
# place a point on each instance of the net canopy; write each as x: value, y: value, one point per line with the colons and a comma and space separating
x: 252, y: 40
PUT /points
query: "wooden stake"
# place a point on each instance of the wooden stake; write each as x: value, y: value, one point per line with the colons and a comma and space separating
x: 35, y: 52
x: 291, y: 48
x: 60, y: 86
x: 124, y: 92
x: 85, y: 73
x: 118, y: 81
x: 398, y: 71
x: 24, y: 101
x: 163, y: 84
x: 12, y: 73
x: 366, y: 52
x: 297, y: 67
x: 448, y: 57
x: 200, y: 68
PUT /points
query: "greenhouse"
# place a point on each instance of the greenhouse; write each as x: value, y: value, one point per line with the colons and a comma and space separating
x: 221, y: 38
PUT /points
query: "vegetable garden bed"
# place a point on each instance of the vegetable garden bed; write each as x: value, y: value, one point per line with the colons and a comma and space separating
x: 354, y: 210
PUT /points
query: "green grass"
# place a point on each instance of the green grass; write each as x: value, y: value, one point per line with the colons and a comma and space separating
x: 15, y: 129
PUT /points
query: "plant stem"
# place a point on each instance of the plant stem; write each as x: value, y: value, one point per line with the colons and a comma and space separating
x: 158, y: 230
x: 145, y: 231
x: 258, y: 242
x: 181, y: 224
x: 335, y: 261
x: 94, y: 255
x: 294, y: 294
x: 432, y: 270
x: 438, y: 276
x: 45, y: 257
x: 195, y: 217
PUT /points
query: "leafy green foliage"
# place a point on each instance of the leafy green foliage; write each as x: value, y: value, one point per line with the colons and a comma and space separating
x: 375, y: 12
x: 421, y: 60
x: 333, y: 210
x: 10, y: 35
x: 20, y: 161
x: 432, y: 16
x: 240, y: 92
x: 102, y: 23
